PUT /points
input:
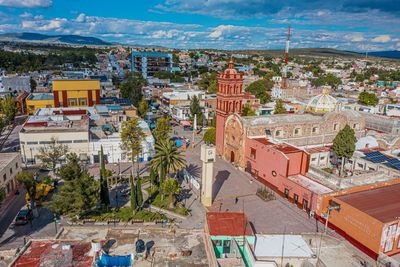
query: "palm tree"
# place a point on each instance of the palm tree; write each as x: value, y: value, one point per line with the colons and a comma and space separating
x: 168, y: 159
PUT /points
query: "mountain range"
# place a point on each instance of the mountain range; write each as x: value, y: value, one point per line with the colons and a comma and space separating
x: 84, y: 40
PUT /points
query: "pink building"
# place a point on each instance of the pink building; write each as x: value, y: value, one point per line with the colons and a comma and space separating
x: 283, y: 168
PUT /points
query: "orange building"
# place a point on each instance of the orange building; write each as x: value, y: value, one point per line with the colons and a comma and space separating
x: 74, y: 93
x: 368, y: 216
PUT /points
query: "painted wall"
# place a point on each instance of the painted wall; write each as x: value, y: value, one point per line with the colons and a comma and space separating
x: 33, y: 105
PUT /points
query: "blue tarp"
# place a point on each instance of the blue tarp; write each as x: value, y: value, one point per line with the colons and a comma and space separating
x: 117, y: 261
x: 178, y: 143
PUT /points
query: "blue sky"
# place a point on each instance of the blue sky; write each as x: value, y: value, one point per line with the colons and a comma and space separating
x: 224, y: 24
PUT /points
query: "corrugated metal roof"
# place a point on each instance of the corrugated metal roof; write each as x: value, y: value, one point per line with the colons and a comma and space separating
x: 381, y: 203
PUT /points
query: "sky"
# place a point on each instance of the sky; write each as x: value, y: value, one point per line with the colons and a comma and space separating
x: 356, y: 25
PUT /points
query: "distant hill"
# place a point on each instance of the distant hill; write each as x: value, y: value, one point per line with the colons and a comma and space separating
x: 44, y: 38
x: 387, y: 54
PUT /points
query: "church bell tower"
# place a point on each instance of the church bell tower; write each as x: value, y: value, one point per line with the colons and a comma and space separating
x: 229, y: 101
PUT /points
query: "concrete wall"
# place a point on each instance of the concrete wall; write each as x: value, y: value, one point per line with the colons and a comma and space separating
x: 9, y: 171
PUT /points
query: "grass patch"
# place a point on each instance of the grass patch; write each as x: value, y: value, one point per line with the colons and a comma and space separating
x: 155, y: 200
x: 125, y: 214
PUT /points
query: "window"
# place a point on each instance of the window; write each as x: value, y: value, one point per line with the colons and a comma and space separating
x: 11, y: 171
x: 45, y: 142
x: 278, y: 132
x: 360, y: 165
x: 32, y: 143
x: 335, y: 127
x: 355, y: 126
x: 4, y: 177
x: 295, y: 198
x: 315, y: 129
x: 65, y: 142
x: 305, y: 204
x: 80, y: 141
x: 61, y: 104
x: 273, y: 173
x: 217, y: 243
x: 286, y: 192
x: 322, y: 158
x: 16, y: 165
x: 297, y: 131
x: 72, y: 102
x: 82, y: 101
x: 252, y: 153
x: 227, y: 246
x: 313, y: 159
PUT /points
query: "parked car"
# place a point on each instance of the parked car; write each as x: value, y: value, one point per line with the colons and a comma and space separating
x: 23, y: 217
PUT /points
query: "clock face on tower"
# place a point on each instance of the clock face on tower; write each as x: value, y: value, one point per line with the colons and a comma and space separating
x: 210, y: 152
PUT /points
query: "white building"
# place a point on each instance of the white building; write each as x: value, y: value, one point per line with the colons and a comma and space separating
x: 10, y: 165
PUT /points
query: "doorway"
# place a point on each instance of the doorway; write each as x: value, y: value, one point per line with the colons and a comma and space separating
x: 232, y: 157
x: 305, y: 204
x: 286, y: 193
x: 295, y: 199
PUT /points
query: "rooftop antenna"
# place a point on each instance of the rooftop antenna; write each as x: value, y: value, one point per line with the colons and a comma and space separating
x: 286, y: 60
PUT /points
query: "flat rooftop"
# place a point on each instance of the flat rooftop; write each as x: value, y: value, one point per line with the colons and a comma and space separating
x: 267, y: 246
x: 380, y: 203
x: 228, y: 224
x: 6, y: 158
x: 283, y: 147
x: 68, y: 123
x: 56, y: 253
x: 310, y: 184
x: 41, y: 96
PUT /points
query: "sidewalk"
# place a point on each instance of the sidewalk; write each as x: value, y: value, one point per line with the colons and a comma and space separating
x: 10, y: 200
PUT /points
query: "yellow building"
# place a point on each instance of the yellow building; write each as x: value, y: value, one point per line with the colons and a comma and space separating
x: 76, y: 93
x: 39, y: 100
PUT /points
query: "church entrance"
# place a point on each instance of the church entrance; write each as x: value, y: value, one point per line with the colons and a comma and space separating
x: 232, y: 157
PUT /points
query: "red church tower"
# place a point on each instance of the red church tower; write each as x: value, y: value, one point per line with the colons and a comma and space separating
x: 229, y: 101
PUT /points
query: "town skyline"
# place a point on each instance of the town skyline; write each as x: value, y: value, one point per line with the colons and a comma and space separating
x: 230, y: 25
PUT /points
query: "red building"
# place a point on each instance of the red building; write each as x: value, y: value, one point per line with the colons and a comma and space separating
x: 284, y: 168
x: 229, y: 101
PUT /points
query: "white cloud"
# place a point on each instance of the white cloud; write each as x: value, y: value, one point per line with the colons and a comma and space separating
x: 81, y: 18
x: 26, y: 15
x: 355, y: 37
x: 26, y: 3
x: 381, y: 39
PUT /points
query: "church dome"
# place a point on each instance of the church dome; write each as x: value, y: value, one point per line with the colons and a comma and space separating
x: 322, y: 103
x: 230, y: 70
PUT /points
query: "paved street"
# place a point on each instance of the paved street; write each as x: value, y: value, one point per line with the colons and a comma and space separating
x: 276, y: 216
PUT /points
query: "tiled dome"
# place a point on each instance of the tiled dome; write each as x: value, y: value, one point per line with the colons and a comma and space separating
x: 322, y: 103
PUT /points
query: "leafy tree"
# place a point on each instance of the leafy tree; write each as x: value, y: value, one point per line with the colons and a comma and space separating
x: 139, y: 194
x: 248, y: 111
x: 133, y: 198
x: 260, y: 89
x: 328, y: 79
x: 104, y: 194
x: 79, y: 193
x: 27, y: 179
x: 170, y: 189
x: 208, y: 82
x: 143, y: 107
x: 195, y: 109
x: 51, y: 154
x: 209, y: 136
x: 2, y: 124
x: 9, y: 108
x: 369, y: 99
x: 167, y: 159
x: 279, y: 107
x: 33, y: 84
x: 132, y: 136
x: 132, y: 88
x: 344, y: 144
x: 153, y: 177
x: 162, y: 129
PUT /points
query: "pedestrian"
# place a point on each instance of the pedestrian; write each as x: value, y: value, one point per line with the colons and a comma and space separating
x: 236, y: 200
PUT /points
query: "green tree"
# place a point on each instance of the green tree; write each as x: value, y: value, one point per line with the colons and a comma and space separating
x: 143, y: 108
x: 27, y: 179
x: 167, y: 159
x: 133, y: 198
x: 248, y: 111
x: 153, y: 177
x: 162, y: 129
x: 9, y: 108
x: 369, y: 99
x: 132, y: 88
x: 33, y: 84
x: 208, y: 82
x: 50, y: 155
x: 279, y: 107
x: 139, y: 194
x: 170, y: 189
x: 209, y: 136
x: 79, y: 193
x: 132, y: 136
x: 195, y: 109
x: 260, y: 89
x: 104, y: 194
x: 344, y: 144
